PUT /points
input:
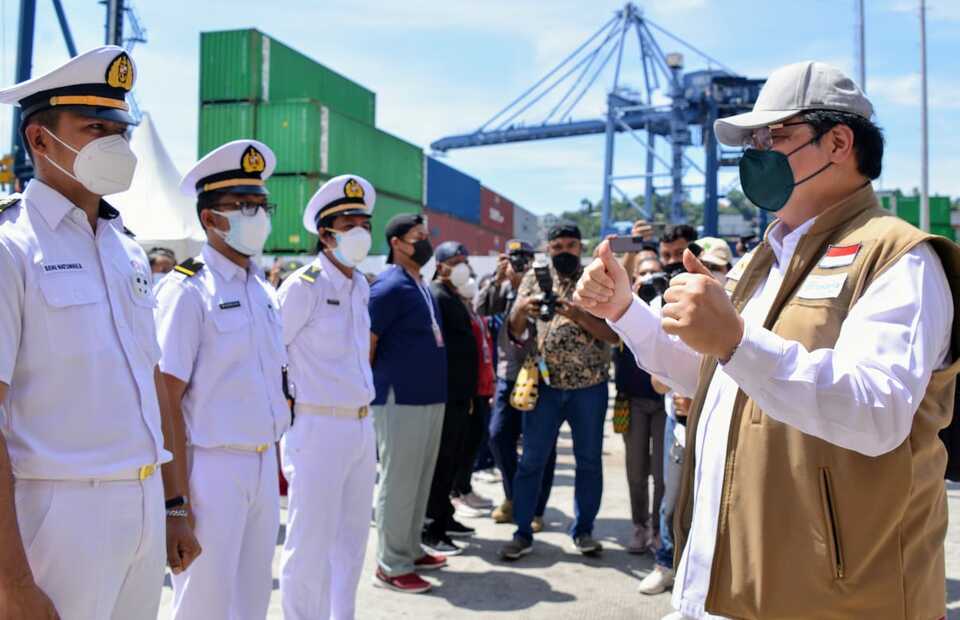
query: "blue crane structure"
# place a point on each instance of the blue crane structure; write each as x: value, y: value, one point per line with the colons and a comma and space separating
x: 670, y: 103
x: 116, y: 11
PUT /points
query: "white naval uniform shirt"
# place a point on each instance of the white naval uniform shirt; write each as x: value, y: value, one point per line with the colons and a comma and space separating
x: 860, y: 395
x: 220, y: 334
x: 78, y: 345
x: 326, y: 328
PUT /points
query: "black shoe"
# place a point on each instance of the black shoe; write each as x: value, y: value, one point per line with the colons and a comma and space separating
x: 439, y: 545
x: 459, y: 530
x: 586, y: 544
x: 516, y: 549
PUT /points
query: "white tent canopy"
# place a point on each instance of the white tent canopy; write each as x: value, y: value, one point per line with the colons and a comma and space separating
x: 153, y: 208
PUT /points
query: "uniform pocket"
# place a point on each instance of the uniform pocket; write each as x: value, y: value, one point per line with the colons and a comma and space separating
x: 73, y: 308
x: 832, y: 524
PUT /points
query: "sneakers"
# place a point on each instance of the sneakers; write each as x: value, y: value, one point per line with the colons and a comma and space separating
x: 503, y: 513
x: 659, y: 580
x: 411, y: 583
x: 477, y: 501
x: 537, y: 525
x: 490, y: 476
x: 429, y: 562
x: 459, y: 530
x: 515, y: 549
x: 586, y: 544
x: 639, y: 542
x: 439, y: 545
x: 464, y: 509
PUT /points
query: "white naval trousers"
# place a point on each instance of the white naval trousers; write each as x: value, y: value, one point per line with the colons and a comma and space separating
x: 97, y: 549
x: 330, y: 463
x: 236, y: 499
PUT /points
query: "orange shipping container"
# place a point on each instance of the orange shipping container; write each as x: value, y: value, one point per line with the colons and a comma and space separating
x: 496, y: 212
x: 478, y: 240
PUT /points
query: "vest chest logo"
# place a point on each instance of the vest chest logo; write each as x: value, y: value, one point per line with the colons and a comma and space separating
x: 822, y: 287
x: 839, y: 256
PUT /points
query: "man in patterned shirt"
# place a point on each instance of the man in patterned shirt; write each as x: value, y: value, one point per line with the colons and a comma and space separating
x: 573, y: 357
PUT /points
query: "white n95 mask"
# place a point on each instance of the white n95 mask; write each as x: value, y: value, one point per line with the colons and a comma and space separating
x: 459, y: 275
x: 352, y: 246
x: 104, y: 166
x: 468, y: 290
x: 247, y: 233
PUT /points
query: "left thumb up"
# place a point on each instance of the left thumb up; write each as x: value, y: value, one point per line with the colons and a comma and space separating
x: 693, y: 265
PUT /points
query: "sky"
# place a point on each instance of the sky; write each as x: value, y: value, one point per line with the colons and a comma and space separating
x: 442, y: 67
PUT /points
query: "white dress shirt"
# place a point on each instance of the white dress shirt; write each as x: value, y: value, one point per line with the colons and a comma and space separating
x: 220, y: 333
x: 860, y: 395
x: 326, y: 328
x: 78, y: 345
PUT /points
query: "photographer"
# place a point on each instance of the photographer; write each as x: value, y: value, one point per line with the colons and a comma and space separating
x: 574, y: 361
x: 506, y: 422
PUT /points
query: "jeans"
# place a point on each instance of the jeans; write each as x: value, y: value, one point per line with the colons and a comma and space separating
x: 506, y: 424
x: 584, y: 410
x: 672, y: 472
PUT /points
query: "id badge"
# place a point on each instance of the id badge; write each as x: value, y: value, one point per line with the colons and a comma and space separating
x: 438, y: 335
x: 544, y: 371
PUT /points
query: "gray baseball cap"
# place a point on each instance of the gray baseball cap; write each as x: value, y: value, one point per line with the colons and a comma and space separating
x: 792, y: 89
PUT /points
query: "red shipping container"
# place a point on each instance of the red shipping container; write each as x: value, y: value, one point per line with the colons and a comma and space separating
x: 496, y: 212
x: 478, y: 240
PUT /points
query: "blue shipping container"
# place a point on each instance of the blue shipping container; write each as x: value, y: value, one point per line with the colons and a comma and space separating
x: 453, y: 192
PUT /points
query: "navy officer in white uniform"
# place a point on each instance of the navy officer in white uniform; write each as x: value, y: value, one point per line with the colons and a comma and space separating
x: 329, y: 456
x: 85, y: 422
x: 222, y: 362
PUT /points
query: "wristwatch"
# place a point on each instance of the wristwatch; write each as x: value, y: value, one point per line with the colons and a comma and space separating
x: 177, y: 502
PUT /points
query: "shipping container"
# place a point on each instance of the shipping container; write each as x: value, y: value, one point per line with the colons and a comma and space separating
x: 247, y: 65
x: 444, y: 227
x: 222, y: 122
x: 292, y: 192
x: 453, y: 192
x: 908, y: 208
x: 496, y: 212
x: 526, y: 226
x: 310, y: 138
x: 944, y: 230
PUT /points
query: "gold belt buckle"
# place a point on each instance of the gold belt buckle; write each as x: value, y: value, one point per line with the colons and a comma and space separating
x: 262, y: 447
x: 364, y: 411
x: 146, y: 471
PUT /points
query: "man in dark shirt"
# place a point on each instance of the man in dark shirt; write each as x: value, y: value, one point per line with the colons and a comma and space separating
x: 461, y: 348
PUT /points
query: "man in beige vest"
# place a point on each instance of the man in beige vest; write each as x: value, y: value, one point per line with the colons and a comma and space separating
x: 813, y: 486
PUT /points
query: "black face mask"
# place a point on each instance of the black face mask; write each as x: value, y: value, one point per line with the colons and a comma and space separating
x: 422, y: 252
x: 566, y: 263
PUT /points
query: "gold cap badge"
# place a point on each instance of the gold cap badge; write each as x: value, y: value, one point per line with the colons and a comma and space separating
x: 352, y: 189
x: 120, y: 72
x: 253, y: 160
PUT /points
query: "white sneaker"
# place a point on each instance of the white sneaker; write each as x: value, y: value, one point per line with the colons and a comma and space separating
x: 464, y: 509
x: 659, y: 580
x: 490, y: 476
x: 477, y: 501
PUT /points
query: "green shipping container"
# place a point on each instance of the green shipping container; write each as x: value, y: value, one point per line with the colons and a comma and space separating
x: 310, y: 138
x: 292, y: 192
x: 944, y: 230
x: 222, y: 122
x: 247, y: 65
x: 908, y: 208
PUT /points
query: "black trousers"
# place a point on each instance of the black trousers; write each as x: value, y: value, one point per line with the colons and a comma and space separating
x: 453, y: 438
x: 477, y: 423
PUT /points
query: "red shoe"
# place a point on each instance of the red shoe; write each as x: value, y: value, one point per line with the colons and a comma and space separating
x: 410, y: 583
x: 430, y: 562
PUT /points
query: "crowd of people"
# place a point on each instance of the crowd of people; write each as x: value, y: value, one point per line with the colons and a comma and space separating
x: 819, y: 366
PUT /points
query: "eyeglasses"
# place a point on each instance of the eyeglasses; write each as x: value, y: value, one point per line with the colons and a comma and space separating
x: 762, y: 137
x: 249, y: 209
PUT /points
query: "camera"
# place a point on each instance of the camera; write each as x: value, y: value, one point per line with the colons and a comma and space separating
x: 655, y: 284
x: 548, y: 302
x: 519, y: 261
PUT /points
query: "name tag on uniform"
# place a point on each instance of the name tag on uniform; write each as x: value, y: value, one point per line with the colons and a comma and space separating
x: 59, y: 267
x: 228, y: 305
x: 333, y: 302
x: 839, y: 256
x: 822, y: 287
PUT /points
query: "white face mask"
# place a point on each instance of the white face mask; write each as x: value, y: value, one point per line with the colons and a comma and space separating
x: 247, y: 233
x: 469, y: 290
x: 352, y: 246
x: 104, y: 166
x: 459, y: 275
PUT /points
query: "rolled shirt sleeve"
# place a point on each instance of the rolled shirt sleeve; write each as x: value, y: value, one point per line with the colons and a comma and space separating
x: 861, y: 394
x: 179, y: 328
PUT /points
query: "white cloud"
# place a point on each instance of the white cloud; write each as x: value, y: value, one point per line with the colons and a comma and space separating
x: 904, y: 90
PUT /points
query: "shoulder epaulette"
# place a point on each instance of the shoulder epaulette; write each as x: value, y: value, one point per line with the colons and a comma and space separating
x: 189, y: 267
x: 8, y: 201
x: 310, y: 275
x: 129, y: 233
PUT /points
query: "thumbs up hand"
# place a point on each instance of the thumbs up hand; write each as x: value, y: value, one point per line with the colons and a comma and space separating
x: 699, y: 311
x: 604, y: 288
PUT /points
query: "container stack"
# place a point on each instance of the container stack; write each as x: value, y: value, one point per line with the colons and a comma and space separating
x: 908, y: 208
x: 319, y: 123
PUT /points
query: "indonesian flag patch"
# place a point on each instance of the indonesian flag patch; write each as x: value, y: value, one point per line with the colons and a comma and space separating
x: 839, y: 256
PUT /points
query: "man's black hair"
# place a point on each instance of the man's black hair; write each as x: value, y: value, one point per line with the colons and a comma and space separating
x: 680, y: 231
x: 49, y: 118
x: 867, y: 137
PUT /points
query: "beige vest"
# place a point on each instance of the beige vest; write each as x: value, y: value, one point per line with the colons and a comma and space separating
x: 806, y: 529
